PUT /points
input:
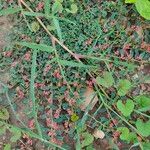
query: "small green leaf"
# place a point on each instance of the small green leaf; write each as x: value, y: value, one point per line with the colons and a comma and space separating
x: 124, y: 133
x: 127, y: 108
x: 16, y: 134
x: 4, y: 114
x: 143, y: 7
x: 73, y: 9
x: 74, y: 118
x: 57, y: 7
x: 123, y: 87
x: 2, y: 130
x: 35, y: 26
x: 107, y: 80
x: 143, y: 101
x: 143, y: 127
x: 130, y: 1
x: 7, y: 147
x: 88, y: 139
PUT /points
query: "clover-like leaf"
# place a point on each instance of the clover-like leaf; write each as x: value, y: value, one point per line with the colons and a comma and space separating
x: 143, y: 7
x: 57, y: 7
x: 73, y: 9
x: 88, y: 139
x: 127, y: 108
x: 143, y: 127
x: 4, y: 114
x: 123, y: 87
x: 106, y: 81
x: 143, y: 101
x: 35, y: 26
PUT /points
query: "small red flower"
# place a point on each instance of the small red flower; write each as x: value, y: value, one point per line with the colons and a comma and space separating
x: 31, y: 124
x: 27, y: 56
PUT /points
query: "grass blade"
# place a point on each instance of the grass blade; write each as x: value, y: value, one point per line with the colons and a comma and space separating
x: 56, y: 23
x: 41, y: 47
x: 9, y: 11
x: 47, y: 7
x: 32, y: 91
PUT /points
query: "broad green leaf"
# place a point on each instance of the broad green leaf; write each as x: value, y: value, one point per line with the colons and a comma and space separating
x: 57, y: 7
x: 124, y: 133
x: 9, y: 11
x: 123, y: 87
x: 88, y: 139
x: 16, y: 134
x: 143, y: 7
x: 130, y: 1
x: 106, y: 81
x: 74, y: 118
x: 7, y: 147
x: 127, y: 108
x: 4, y: 114
x: 143, y: 127
x: 73, y: 9
x: 146, y: 146
x: 35, y: 26
x: 41, y: 47
x: 143, y: 101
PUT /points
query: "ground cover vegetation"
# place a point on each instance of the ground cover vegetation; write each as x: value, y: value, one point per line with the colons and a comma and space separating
x: 78, y: 75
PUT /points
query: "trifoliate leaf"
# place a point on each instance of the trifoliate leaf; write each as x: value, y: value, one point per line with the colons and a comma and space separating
x: 143, y: 101
x: 73, y: 9
x: 4, y: 114
x: 143, y: 7
x: 106, y: 81
x: 130, y: 1
x: 123, y: 87
x: 35, y: 26
x: 88, y: 139
x: 127, y: 108
x: 124, y: 133
x: 143, y: 127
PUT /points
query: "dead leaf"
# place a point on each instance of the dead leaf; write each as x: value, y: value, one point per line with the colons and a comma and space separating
x: 99, y: 134
x: 89, y: 98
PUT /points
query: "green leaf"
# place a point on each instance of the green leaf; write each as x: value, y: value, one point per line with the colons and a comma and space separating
x: 123, y: 87
x: 16, y: 134
x: 143, y: 127
x: 35, y: 26
x: 4, y: 114
x: 73, y: 9
x: 107, y: 80
x: 127, y: 108
x: 143, y: 101
x: 143, y: 7
x: 130, y: 1
x: 9, y: 11
x: 57, y: 7
x: 47, y: 7
x: 74, y: 118
x: 7, y: 147
x: 124, y: 133
x: 41, y: 47
x: 2, y: 130
x: 88, y: 139
x: 146, y: 146
x: 57, y: 26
